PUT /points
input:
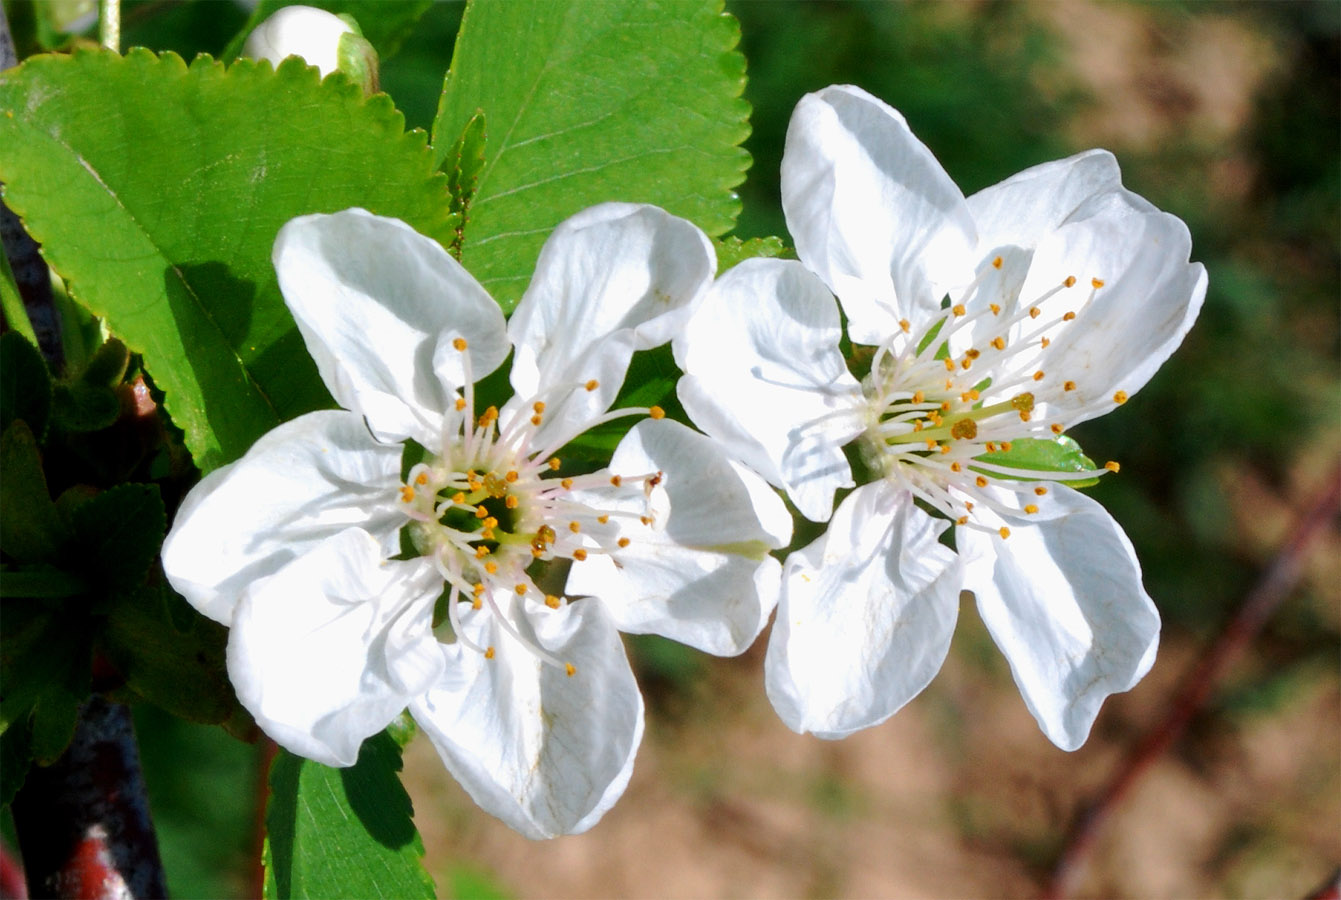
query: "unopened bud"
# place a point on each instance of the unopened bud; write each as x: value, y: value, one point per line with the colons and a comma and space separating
x: 320, y: 39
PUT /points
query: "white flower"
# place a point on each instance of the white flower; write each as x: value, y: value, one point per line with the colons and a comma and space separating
x: 995, y: 324
x: 328, y: 565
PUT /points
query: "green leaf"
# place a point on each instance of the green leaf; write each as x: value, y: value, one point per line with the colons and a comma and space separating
x: 43, y: 663
x: 179, y: 670
x: 156, y: 191
x: 117, y: 535
x: 40, y: 581
x: 588, y: 102
x: 342, y: 832
x: 732, y: 250
x: 57, y: 710
x: 1061, y: 454
x: 25, y: 384
x: 30, y: 528
x: 11, y: 303
x: 16, y: 758
x: 82, y: 407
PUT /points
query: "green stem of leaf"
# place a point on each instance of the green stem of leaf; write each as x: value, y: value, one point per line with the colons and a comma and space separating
x: 11, y: 302
x: 109, y: 24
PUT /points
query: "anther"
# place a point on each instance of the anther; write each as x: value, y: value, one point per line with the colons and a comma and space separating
x: 567, y: 484
x: 570, y: 669
x: 460, y: 344
x: 980, y: 481
x: 656, y: 412
x: 511, y: 501
x: 489, y: 653
x: 551, y: 601
x: 1070, y: 281
x: 554, y: 464
x: 956, y: 466
x: 950, y: 364
x: 481, y: 551
x: 1056, y: 428
x: 406, y: 494
x: 996, y: 263
x: 616, y: 480
x: 623, y: 542
x: 999, y: 343
x: 1120, y: 397
x: 1005, y: 446
x: 521, y: 590
x: 962, y: 520
x: 511, y: 476
x: 1040, y: 490
x: 603, y: 519
x: 491, y: 567
x: 1113, y: 466
x: 958, y: 309
x: 592, y: 385
x: 1044, y: 341
x: 1004, y: 532
x: 1068, y: 317
x: 460, y: 404
x: 1034, y: 312
x: 1069, y: 386
x: 538, y: 406
x: 1030, y: 509
x: 905, y: 325
x: 1097, y: 283
x: 481, y: 512
x: 459, y: 497
x: 421, y: 479
x: 971, y: 353
x: 579, y: 554
x: 995, y: 308
x: 574, y: 527
x: 1038, y: 376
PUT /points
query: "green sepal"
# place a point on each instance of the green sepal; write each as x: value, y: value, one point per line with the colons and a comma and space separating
x: 1060, y: 454
x: 30, y: 528
x: 463, y: 165
x: 25, y: 385
x: 57, y: 710
x: 732, y: 250
x: 342, y: 832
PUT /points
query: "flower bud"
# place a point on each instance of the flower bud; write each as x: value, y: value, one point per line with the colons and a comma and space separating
x: 321, y: 39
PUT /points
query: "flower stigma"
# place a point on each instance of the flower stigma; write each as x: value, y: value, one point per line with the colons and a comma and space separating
x: 491, y: 503
x: 939, y: 423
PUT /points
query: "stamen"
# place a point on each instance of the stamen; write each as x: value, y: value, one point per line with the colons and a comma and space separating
x: 1120, y: 397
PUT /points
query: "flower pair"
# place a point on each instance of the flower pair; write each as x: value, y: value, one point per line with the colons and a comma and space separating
x: 408, y: 549
x: 986, y: 328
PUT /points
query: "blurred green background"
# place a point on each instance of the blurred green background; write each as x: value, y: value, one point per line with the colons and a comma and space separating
x: 1226, y: 115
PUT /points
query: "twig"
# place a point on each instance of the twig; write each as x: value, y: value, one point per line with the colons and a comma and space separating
x: 1258, y: 605
x: 83, y: 822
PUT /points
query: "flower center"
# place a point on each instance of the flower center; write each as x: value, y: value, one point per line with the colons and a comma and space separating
x: 493, y: 503
x: 947, y: 404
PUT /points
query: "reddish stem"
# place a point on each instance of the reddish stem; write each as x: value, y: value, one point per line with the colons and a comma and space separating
x: 1257, y: 606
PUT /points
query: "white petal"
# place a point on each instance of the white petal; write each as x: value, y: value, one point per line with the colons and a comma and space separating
x: 1062, y: 598
x: 379, y: 306
x: 872, y: 211
x: 1150, y: 298
x: 299, y: 484
x: 546, y: 753
x: 764, y: 375
x: 331, y: 648
x: 1025, y: 208
x: 610, y: 269
x: 703, y: 576
x: 865, y: 618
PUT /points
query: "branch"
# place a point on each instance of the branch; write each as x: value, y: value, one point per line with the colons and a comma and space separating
x: 1257, y: 607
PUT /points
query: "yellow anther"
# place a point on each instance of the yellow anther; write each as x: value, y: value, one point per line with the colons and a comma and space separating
x: 980, y: 481
x: 511, y: 501
x: 905, y: 325
x: 511, y: 476
x: 996, y: 263
x: 1025, y: 415
x: 623, y: 542
x: 567, y: 484
x: 459, y: 497
x: 1120, y: 397
x: 491, y: 567
x: 406, y: 494
x: 950, y: 364
x: 592, y: 385
x: 995, y: 308
x: 1031, y: 509
x: 646, y: 520
x: 477, y: 603
x: 574, y: 527
x: 1040, y: 490
x: 945, y: 448
x: 460, y: 344
x: 962, y: 520
x: 1096, y: 283
x: 1005, y: 446
x: 1044, y: 341
x: 481, y: 512
x: 1068, y: 317
x: 966, y: 363
x: 968, y: 506
x: 602, y: 519
x: 964, y: 429
x: 570, y: 669
x: 917, y: 426
x: 958, y: 309
x: 551, y: 601
x: 538, y: 406
x: 1113, y: 466
x: 1034, y: 311
x: 956, y: 466
x: 1070, y: 281
x: 1056, y: 428
x: 931, y: 444
x: 1004, y: 532
x: 1038, y: 376
x: 487, y: 534
x: 421, y: 479
x: 481, y: 551
x: 554, y: 464
x: 521, y: 590
x: 536, y: 419
x: 488, y: 652
x: 1069, y: 386
x: 491, y: 522
x: 489, y: 416
x: 1024, y: 403
x: 999, y: 343
x: 945, y: 407
x: 656, y: 412
x: 460, y: 403
x: 579, y: 554
x: 972, y: 353
x: 969, y: 396
x: 616, y: 480
x: 919, y: 397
